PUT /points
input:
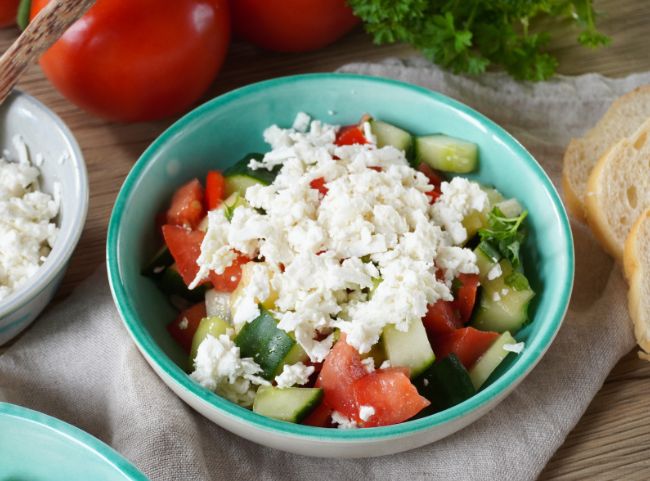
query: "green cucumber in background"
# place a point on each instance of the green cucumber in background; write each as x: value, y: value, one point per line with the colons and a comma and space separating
x: 22, y: 18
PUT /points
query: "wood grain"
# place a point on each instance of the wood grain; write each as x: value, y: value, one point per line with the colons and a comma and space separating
x: 612, y: 440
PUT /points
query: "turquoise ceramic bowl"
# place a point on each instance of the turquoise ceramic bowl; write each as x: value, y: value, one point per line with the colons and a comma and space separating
x: 36, y: 446
x: 216, y: 134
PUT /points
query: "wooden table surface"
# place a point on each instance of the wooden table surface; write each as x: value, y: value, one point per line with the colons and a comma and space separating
x: 612, y: 441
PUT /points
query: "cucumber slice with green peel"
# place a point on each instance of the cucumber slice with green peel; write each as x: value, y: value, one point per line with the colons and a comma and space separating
x: 158, y: 263
x: 213, y: 326
x: 268, y: 345
x: 240, y: 177
x: 239, y: 183
x: 290, y: 404
x: 233, y: 201
x: 172, y: 284
x: 387, y: 134
x: 510, y: 208
x: 408, y: 349
x: 445, y: 383
x: 447, y: 154
x: 486, y: 259
x: 504, y: 300
x: 490, y: 360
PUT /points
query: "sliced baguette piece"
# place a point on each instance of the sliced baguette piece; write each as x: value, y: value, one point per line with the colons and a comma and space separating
x: 636, y: 262
x: 618, y: 190
x: 623, y: 118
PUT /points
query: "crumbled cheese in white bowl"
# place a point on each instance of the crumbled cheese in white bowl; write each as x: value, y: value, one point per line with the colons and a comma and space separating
x: 43, y: 206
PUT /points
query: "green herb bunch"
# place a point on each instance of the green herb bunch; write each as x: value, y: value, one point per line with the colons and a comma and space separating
x: 467, y: 36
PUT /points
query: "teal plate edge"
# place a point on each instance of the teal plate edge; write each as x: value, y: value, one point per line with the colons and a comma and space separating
x: 524, y: 363
x: 76, y: 436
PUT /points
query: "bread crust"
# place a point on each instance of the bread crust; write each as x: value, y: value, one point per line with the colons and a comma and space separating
x: 634, y: 265
x: 575, y: 200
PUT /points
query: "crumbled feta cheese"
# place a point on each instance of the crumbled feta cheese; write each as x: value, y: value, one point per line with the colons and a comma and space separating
x: 425, y: 381
x: 494, y: 272
x: 301, y: 123
x: 366, y: 412
x: 367, y: 133
x: 183, y: 324
x: 516, y: 348
x: 27, y: 230
x: 504, y: 291
x: 496, y: 297
x: 327, y: 251
x: 385, y: 365
x: 294, y: 375
x: 368, y: 364
x: 342, y: 422
x: 219, y: 368
x: 459, y: 198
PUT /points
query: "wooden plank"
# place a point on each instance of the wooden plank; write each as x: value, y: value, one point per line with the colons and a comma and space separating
x: 613, y: 438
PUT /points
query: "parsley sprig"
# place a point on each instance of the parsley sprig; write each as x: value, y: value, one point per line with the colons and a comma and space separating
x: 503, y: 235
x: 467, y: 36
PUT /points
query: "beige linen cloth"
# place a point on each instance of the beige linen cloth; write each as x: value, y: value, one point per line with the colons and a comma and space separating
x: 79, y: 364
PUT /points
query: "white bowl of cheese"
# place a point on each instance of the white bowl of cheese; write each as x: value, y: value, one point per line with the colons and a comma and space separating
x: 43, y: 205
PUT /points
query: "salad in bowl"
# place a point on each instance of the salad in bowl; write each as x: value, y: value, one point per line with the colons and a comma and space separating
x: 349, y: 277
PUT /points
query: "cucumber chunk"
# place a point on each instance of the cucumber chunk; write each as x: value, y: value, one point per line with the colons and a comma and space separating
x: 158, y: 263
x: 387, y: 134
x: 446, y: 153
x: 504, y: 300
x: 290, y: 404
x: 445, y: 383
x: 268, y: 345
x: 490, y: 360
x: 233, y: 201
x: 172, y: 284
x: 408, y: 349
x: 214, y: 326
x: 240, y: 177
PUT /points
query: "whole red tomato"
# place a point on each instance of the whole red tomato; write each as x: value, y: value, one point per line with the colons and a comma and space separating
x: 136, y: 60
x: 292, y: 25
x: 8, y: 11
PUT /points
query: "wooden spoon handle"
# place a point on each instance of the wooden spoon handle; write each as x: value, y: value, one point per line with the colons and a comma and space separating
x: 40, y: 34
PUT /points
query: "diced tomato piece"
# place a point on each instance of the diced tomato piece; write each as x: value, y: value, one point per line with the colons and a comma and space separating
x: 435, y: 179
x: 350, y: 135
x: 466, y: 295
x: 319, y: 417
x: 319, y: 185
x: 182, y: 329
x: 441, y: 318
x: 185, y: 247
x: 391, y: 394
x: 342, y: 367
x: 187, y: 205
x: 227, y: 282
x: 467, y: 343
x: 215, y: 186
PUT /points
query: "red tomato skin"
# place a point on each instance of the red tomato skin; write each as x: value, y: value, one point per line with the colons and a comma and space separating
x: 227, y: 282
x: 342, y: 367
x: 139, y: 59
x: 435, y: 179
x: 187, y: 205
x: 185, y: 247
x: 466, y: 295
x: 467, y: 343
x: 214, y: 189
x: 441, y: 319
x: 292, y: 25
x: 350, y: 135
x: 319, y: 185
x: 8, y: 12
x: 193, y: 315
x: 392, y: 395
